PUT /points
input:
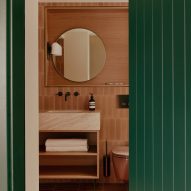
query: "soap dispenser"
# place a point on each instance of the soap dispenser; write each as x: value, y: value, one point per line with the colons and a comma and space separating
x: 91, y: 103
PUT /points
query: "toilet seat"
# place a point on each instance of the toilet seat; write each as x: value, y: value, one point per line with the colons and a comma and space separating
x: 121, y: 152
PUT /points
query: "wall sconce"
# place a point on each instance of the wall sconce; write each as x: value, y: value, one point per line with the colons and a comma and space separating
x: 55, y: 49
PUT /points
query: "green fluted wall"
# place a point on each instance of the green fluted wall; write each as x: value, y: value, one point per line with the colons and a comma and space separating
x: 16, y: 94
x: 160, y: 95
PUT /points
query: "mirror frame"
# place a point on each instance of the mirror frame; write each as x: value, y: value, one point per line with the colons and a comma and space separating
x: 52, y: 61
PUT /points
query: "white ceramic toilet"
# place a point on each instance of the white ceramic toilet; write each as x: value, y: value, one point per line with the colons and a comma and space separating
x: 120, y: 158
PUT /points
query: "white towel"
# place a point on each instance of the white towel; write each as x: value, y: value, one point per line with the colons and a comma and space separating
x: 66, y: 142
x: 67, y: 149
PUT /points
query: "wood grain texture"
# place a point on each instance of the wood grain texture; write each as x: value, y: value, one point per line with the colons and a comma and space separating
x: 114, y: 120
x: 110, y: 24
x: 92, y: 151
x: 68, y: 160
x: 74, y: 160
x: 68, y: 172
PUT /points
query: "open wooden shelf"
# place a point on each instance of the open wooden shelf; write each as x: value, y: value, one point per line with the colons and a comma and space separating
x: 59, y: 165
x: 68, y: 172
x: 91, y: 152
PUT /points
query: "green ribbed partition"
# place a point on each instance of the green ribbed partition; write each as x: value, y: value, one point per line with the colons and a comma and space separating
x: 16, y: 94
x: 160, y: 95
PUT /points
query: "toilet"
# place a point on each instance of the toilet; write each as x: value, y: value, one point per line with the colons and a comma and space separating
x: 120, y: 158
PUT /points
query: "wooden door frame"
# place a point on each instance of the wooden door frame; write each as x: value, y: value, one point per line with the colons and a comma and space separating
x: 31, y: 97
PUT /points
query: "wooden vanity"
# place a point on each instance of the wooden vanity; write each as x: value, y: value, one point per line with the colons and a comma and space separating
x: 64, y: 125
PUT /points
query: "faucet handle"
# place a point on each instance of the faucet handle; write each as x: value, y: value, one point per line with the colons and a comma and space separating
x: 76, y: 93
x: 60, y: 94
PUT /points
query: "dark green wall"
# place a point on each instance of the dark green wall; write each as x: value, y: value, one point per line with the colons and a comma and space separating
x: 16, y: 94
x: 160, y: 95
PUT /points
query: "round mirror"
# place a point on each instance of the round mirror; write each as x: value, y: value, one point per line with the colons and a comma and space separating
x: 80, y: 55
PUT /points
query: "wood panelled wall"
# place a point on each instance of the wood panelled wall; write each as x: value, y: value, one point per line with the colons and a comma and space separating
x: 114, y: 121
x: 160, y: 93
x: 110, y: 24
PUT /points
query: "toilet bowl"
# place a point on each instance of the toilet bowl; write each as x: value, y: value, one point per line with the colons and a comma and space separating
x: 120, y: 158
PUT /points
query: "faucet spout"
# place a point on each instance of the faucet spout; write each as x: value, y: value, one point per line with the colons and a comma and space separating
x: 67, y: 94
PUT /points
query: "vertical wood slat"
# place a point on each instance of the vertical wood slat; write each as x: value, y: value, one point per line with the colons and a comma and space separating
x: 160, y: 92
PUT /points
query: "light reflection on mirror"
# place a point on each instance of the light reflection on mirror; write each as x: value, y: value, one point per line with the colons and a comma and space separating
x: 83, y: 55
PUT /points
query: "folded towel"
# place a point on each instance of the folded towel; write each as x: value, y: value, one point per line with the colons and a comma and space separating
x: 67, y: 149
x: 66, y: 142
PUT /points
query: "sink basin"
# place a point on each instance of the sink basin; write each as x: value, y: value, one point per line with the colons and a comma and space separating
x: 69, y: 120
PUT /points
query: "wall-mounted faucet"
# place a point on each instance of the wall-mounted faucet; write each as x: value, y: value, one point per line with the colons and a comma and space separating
x: 67, y: 94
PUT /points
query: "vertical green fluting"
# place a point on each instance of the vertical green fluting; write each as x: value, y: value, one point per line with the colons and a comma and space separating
x: 140, y: 97
x: 157, y: 93
x: 160, y: 92
x: 132, y: 114
x: 187, y: 27
x: 167, y: 97
x: 16, y: 94
x: 19, y: 92
x: 179, y: 95
x: 147, y: 97
x: 8, y: 91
